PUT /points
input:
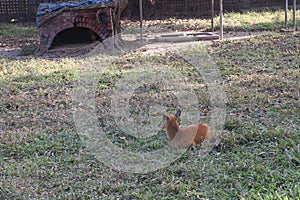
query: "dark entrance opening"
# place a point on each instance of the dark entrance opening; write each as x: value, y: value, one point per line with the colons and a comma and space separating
x: 76, y: 35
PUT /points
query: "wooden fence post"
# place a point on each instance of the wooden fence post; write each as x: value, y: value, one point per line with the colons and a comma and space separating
x: 221, y: 19
x: 294, y: 14
x: 212, y: 15
x: 141, y: 18
x: 286, y: 13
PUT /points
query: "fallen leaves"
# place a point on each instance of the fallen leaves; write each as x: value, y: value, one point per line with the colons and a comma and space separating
x: 261, y: 79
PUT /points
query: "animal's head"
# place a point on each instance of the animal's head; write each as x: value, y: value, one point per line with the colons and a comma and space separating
x: 169, y: 120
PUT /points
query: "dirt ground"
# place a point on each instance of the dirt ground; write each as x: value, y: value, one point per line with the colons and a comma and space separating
x: 21, y: 48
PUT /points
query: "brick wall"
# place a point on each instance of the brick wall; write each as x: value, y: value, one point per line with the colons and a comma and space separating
x: 100, y: 23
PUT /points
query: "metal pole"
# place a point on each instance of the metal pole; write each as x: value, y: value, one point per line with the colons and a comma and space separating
x: 294, y: 14
x: 212, y: 16
x: 221, y: 19
x: 141, y: 18
x: 286, y: 13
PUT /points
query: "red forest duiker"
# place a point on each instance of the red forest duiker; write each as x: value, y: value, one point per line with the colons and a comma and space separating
x: 184, y: 137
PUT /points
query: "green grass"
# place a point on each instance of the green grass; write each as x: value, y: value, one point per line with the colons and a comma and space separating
x: 42, y: 155
x: 19, y: 36
x: 17, y: 30
x: 247, y: 21
x: 265, y: 20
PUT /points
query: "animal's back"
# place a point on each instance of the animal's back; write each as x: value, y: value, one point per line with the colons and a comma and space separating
x: 185, y: 136
x: 191, y: 135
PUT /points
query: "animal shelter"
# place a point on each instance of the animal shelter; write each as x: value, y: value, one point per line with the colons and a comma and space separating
x: 77, y: 22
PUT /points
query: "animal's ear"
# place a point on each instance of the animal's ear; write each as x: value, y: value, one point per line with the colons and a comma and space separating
x: 178, y: 113
x: 166, y: 118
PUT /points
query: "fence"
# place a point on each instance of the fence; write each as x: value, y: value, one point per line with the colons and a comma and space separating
x: 24, y: 10
x: 195, y: 8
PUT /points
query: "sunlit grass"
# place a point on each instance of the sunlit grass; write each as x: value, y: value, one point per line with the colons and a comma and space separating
x: 246, y: 21
x: 264, y: 20
x: 17, y: 30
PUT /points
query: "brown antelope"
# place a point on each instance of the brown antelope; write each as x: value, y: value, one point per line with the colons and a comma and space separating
x: 184, y: 137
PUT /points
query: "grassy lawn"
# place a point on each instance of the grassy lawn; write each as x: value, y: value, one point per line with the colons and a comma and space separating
x: 248, y: 21
x: 42, y: 155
